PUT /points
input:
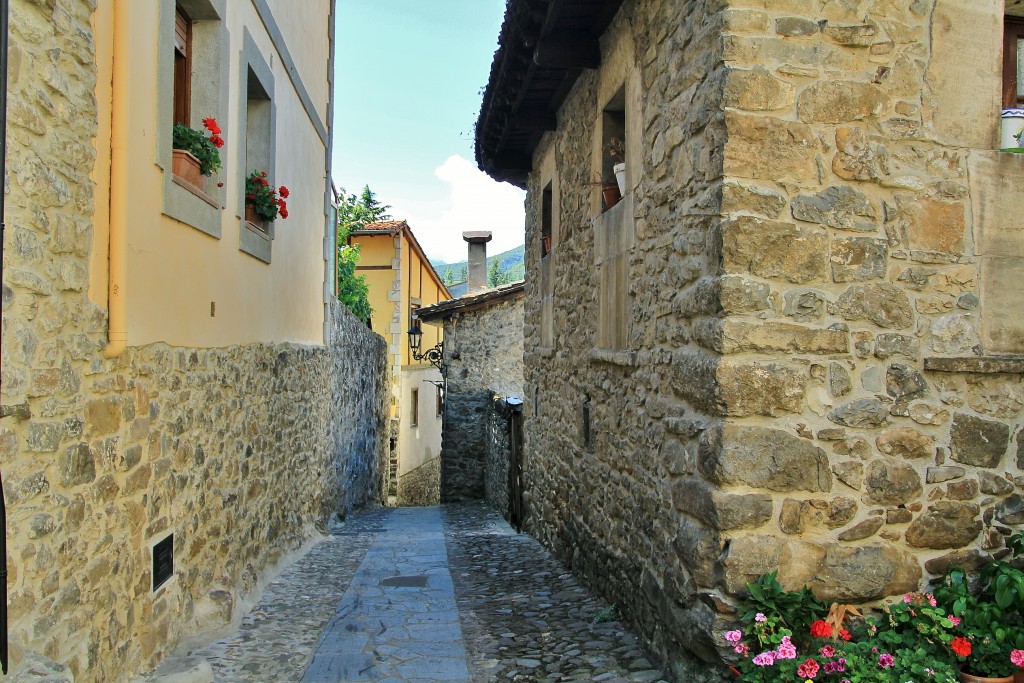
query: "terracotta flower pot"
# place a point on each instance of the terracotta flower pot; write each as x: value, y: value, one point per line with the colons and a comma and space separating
x: 971, y: 678
x: 252, y: 217
x: 188, y: 168
x: 611, y: 195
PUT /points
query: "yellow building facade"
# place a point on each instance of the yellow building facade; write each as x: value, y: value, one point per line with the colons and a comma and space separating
x: 185, y: 404
x: 401, y: 281
x: 185, y: 267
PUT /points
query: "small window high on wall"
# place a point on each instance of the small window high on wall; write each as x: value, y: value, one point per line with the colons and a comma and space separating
x: 613, y: 149
x: 545, y: 221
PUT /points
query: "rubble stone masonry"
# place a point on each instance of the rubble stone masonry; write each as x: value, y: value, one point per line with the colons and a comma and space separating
x: 821, y: 247
x: 241, y: 452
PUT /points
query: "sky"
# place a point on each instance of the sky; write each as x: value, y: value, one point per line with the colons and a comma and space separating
x: 408, y: 82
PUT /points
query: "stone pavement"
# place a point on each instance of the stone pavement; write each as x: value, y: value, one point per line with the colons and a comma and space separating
x: 424, y: 595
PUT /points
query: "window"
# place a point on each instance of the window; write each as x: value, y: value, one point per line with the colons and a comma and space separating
x: 545, y: 221
x: 182, y: 68
x: 440, y: 401
x: 258, y: 120
x: 191, y: 77
x: 1013, y: 62
x: 414, y: 408
x: 613, y: 149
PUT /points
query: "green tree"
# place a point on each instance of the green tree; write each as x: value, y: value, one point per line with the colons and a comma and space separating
x: 494, y: 275
x: 354, y: 213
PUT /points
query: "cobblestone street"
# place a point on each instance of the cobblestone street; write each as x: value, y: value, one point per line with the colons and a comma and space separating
x: 425, y: 595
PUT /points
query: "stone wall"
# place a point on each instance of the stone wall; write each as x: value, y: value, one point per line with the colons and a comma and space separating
x: 241, y: 452
x: 498, y: 459
x: 421, y: 486
x: 804, y: 260
x: 484, y: 352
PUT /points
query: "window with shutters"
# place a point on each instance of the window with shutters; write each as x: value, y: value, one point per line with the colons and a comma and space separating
x: 192, y: 75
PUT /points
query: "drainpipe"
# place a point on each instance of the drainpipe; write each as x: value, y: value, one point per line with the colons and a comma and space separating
x: 117, y: 334
x: 3, y: 220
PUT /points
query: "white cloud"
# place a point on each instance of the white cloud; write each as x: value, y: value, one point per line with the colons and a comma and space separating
x: 474, y: 202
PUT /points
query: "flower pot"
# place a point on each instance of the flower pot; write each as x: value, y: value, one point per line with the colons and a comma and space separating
x: 971, y: 678
x: 187, y: 167
x: 546, y: 240
x: 254, y: 218
x: 1012, y: 124
x: 611, y: 195
x: 620, y: 176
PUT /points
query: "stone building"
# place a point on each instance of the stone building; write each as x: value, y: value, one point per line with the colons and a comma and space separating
x: 184, y: 402
x: 401, y: 280
x: 793, y: 342
x: 483, y: 360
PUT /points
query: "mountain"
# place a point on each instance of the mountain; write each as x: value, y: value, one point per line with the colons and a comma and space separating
x: 511, y: 261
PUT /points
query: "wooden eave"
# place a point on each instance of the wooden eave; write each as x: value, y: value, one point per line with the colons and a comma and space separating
x: 543, y: 47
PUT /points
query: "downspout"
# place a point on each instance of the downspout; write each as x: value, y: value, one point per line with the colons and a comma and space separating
x: 117, y: 334
x: 3, y: 220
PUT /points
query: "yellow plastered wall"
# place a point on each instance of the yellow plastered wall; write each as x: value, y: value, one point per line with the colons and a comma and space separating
x: 174, y: 271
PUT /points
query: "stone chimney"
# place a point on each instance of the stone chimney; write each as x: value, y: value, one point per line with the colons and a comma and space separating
x: 476, y: 272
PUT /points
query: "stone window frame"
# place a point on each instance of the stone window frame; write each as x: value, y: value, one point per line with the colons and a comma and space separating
x: 210, y: 72
x: 1013, y: 33
x: 255, y: 71
x: 548, y: 257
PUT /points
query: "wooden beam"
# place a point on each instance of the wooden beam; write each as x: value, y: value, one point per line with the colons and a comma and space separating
x: 534, y: 119
x: 567, y: 52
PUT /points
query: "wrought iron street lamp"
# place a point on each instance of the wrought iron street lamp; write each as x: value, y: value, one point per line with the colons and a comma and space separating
x: 434, y: 355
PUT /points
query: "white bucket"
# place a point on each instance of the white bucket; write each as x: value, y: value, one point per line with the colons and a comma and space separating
x: 620, y: 168
x: 1013, y: 123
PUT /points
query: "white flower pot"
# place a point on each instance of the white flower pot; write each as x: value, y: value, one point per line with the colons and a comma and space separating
x: 620, y: 175
x: 1013, y: 123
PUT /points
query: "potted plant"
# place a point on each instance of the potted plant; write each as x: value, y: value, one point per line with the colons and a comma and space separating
x: 1012, y: 121
x: 262, y: 201
x: 617, y: 151
x: 195, y: 156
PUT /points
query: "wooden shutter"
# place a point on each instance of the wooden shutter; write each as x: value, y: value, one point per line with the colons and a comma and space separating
x: 182, y: 68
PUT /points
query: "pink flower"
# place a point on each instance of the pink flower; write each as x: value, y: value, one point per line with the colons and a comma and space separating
x: 733, y: 636
x: 885, y: 660
x: 1017, y: 657
x: 765, y: 659
x: 786, y: 650
x: 931, y: 600
x: 742, y: 649
x: 955, y: 620
x: 809, y: 669
x: 759, y: 617
x: 907, y: 598
x: 828, y: 651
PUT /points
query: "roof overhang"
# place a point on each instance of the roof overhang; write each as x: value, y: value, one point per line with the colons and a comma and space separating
x: 543, y: 47
x: 435, y: 314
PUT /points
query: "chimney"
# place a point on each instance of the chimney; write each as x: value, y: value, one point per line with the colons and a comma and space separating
x: 476, y: 272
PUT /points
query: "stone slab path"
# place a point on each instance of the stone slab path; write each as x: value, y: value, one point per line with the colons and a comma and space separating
x: 424, y: 595
x: 397, y: 621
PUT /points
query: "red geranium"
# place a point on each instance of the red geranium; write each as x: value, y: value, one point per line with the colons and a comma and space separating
x: 820, y: 629
x: 961, y: 646
x: 267, y: 202
x: 211, y: 125
x: 284, y: 192
x: 217, y: 141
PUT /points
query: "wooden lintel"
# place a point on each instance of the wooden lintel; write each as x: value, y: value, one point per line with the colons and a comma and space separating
x: 567, y: 52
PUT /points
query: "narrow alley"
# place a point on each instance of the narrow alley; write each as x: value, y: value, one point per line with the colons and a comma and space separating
x: 422, y: 595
